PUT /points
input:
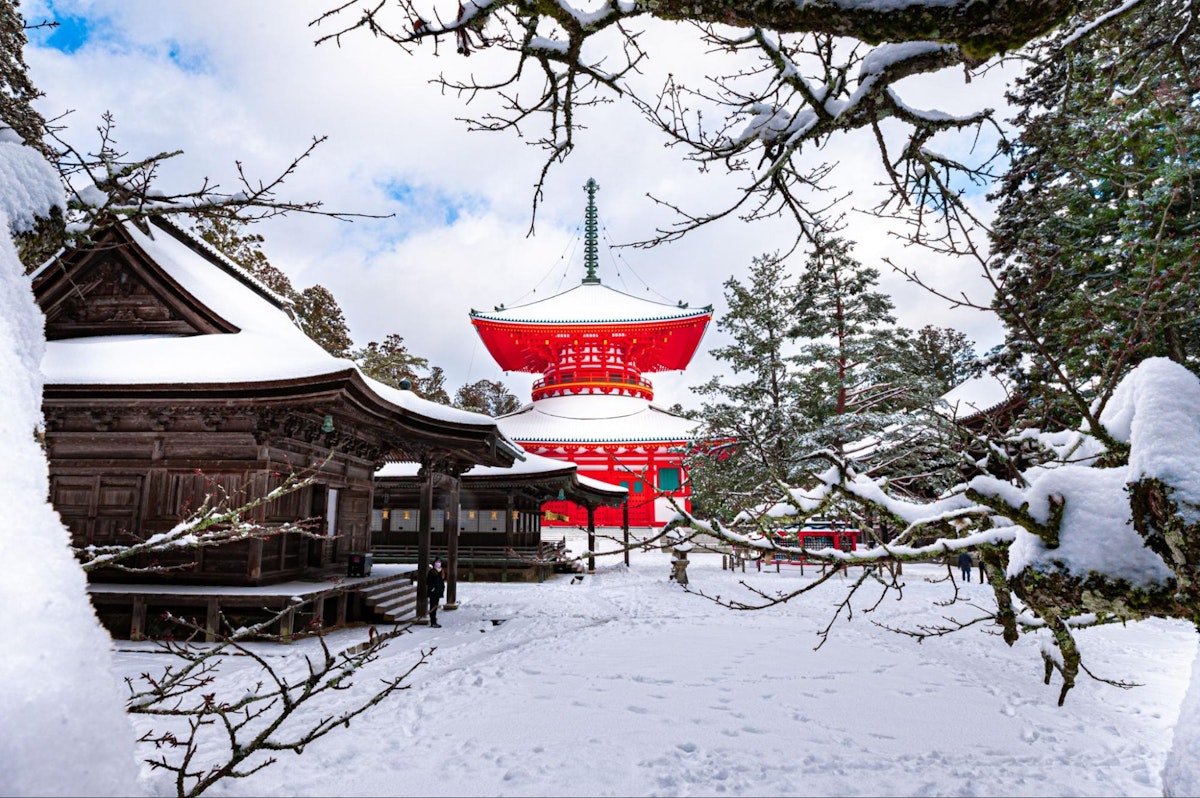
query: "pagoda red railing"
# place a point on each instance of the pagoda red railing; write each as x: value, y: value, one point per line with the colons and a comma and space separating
x: 633, y: 385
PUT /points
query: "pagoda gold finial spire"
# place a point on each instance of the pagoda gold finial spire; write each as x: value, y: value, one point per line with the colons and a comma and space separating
x: 591, y: 258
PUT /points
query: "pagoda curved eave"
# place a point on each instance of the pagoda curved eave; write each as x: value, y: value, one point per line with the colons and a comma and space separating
x: 661, y: 345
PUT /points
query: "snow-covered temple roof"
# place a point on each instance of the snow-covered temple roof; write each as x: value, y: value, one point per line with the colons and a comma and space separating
x: 248, y: 336
x: 596, y: 419
x: 975, y: 397
x: 592, y: 303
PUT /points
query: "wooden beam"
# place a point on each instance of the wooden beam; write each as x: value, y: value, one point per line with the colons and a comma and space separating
x: 424, y: 522
x: 591, y: 511
x: 212, y: 623
x: 137, y: 624
x: 452, y: 519
x: 343, y: 600
x: 625, y: 527
x: 508, y: 520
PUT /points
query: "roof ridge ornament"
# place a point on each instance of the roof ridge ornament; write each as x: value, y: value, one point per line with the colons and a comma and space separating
x: 591, y: 259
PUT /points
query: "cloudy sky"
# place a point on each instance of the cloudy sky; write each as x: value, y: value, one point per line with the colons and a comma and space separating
x: 232, y: 81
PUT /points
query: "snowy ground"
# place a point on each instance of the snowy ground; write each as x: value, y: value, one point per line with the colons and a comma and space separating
x: 623, y: 684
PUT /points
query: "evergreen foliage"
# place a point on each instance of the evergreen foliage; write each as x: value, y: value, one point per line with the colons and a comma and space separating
x: 432, y: 386
x: 17, y: 91
x: 315, y: 307
x: 942, y: 356
x: 321, y: 318
x: 1095, y: 232
x: 852, y: 376
x: 490, y: 397
x: 821, y: 369
x: 244, y: 248
x: 391, y: 363
x: 752, y: 424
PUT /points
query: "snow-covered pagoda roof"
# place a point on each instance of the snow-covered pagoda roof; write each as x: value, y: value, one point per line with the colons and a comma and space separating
x: 975, y: 397
x: 655, y: 336
x: 158, y: 309
x: 592, y: 303
x: 596, y: 419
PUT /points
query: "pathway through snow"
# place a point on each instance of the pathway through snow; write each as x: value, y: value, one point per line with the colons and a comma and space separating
x: 622, y: 684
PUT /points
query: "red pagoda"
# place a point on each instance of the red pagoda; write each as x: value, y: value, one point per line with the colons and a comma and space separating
x: 593, y: 405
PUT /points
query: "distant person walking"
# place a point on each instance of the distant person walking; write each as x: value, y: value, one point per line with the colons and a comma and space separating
x: 964, y: 562
x: 435, y: 588
x: 982, y: 571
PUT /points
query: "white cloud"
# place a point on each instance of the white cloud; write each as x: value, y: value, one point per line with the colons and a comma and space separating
x: 229, y: 81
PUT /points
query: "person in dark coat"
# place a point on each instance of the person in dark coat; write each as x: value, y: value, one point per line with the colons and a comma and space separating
x: 435, y: 588
x: 964, y: 562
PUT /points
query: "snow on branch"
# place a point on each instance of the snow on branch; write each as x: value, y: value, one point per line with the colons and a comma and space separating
x: 1081, y: 535
x: 801, y: 93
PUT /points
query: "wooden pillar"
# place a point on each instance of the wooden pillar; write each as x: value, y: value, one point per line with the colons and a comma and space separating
x: 625, y: 528
x: 343, y: 601
x: 424, y: 521
x: 452, y: 524
x: 591, y: 511
x: 254, y: 560
x: 137, y: 624
x: 286, y: 622
x: 508, y: 522
x: 212, y: 623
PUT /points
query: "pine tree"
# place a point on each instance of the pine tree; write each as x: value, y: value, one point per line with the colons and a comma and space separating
x: 942, y: 357
x: 851, y: 356
x: 433, y: 386
x: 316, y: 309
x: 17, y: 92
x: 321, y: 318
x: 486, y: 396
x: 823, y: 370
x: 1095, y: 232
x: 750, y: 425
x: 391, y: 363
x: 229, y: 237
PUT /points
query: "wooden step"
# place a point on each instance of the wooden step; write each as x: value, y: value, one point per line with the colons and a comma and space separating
x: 395, y: 599
x: 378, y: 593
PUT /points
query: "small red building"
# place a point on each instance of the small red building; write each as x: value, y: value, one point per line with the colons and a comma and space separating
x: 593, y: 346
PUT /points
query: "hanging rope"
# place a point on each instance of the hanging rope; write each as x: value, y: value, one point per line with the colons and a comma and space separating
x: 614, y: 254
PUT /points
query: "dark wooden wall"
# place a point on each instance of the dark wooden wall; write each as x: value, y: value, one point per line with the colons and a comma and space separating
x: 129, y: 481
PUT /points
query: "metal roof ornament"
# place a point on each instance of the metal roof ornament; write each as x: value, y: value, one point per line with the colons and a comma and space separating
x: 591, y: 258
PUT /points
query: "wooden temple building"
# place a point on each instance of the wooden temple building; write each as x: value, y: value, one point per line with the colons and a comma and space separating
x: 593, y: 405
x: 173, y: 377
x: 497, y: 513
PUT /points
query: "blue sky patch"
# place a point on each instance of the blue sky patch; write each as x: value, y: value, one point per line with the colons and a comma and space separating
x: 70, y: 34
x: 420, y: 207
x: 74, y: 31
x: 187, y: 59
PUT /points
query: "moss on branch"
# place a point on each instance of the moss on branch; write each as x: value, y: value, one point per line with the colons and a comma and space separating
x: 981, y: 28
